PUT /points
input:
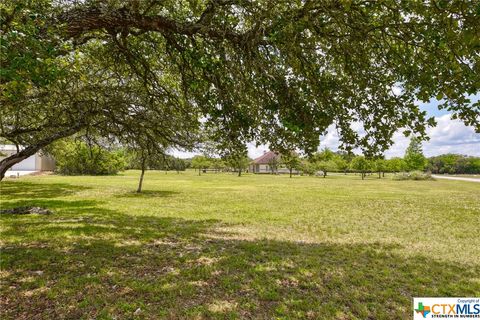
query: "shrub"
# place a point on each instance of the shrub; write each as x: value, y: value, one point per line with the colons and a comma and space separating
x: 414, y: 175
x: 77, y: 158
x: 307, y: 168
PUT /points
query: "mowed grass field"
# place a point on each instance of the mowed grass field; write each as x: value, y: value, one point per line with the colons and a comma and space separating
x: 220, y: 246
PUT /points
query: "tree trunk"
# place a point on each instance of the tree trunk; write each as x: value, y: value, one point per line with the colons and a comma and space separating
x: 239, y: 172
x: 290, y: 172
x: 10, y: 161
x: 140, y: 183
x: 379, y: 175
x: 324, y: 174
x: 199, y: 171
x: 363, y: 176
x: 29, y: 151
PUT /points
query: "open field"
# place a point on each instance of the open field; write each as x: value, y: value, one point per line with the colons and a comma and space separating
x: 219, y: 246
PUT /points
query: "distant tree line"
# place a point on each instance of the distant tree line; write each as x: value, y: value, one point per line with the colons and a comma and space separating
x: 327, y: 161
x: 321, y: 163
x: 84, y: 156
x: 236, y: 162
x: 454, y: 164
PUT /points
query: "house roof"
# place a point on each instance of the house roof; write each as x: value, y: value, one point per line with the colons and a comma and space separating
x: 266, y: 158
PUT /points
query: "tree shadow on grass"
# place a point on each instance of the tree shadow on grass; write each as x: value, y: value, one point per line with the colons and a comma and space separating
x: 22, y: 189
x: 90, y: 262
x: 148, y: 194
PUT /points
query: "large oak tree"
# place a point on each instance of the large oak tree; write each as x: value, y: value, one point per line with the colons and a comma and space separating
x: 277, y: 72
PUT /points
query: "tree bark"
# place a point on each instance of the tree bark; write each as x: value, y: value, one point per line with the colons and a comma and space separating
x: 10, y: 161
x: 140, y: 183
x: 290, y: 172
x: 239, y: 172
x: 85, y: 20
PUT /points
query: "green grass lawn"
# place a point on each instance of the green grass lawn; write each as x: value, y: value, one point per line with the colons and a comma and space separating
x: 219, y: 246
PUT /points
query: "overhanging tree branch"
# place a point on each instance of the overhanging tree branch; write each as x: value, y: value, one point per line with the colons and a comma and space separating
x: 29, y: 151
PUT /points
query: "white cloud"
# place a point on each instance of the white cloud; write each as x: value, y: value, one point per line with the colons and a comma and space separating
x: 449, y: 136
x: 331, y: 139
x: 254, y: 151
x: 183, y: 154
x: 452, y: 136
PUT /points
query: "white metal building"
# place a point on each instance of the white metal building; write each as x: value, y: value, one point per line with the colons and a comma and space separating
x: 37, y: 162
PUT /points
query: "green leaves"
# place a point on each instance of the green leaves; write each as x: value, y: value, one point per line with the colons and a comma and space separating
x: 414, y: 158
x: 277, y: 72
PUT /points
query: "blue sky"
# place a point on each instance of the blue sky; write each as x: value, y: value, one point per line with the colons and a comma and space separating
x: 449, y: 136
x: 432, y: 108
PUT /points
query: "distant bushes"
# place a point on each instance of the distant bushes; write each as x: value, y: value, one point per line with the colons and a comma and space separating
x: 157, y: 161
x: 78, y: 158
x: 414, y: 175
x: 454, y: 164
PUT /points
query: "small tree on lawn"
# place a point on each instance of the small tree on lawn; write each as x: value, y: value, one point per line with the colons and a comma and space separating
x: 217, y: 164
x: 326, y: 166
x: 341, y: 164
x: 324, y: 155
x: 147, y: 149
x: 396, y: 165
x: 414, y: 155
x: 238, y: 161
x: 141, y: 156
x: 291, y: 160
x: 324, y: 161
x: 176, y: 163
x: 380, y: 166
x: 200, y: 163
x: 144, y: 157
x: 273, y: 163
x: 360, y: 164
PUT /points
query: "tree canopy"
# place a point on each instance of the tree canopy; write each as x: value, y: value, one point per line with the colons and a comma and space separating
x: 291, y: 160
x: 454, y: 164
x: 360, y: 164
x: 414, y: 158
x: 277, y: 72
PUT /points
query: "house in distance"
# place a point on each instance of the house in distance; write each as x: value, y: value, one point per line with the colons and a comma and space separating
x: 269, y: 162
